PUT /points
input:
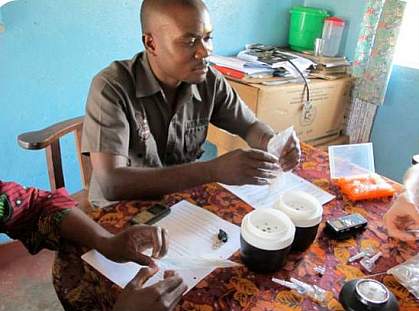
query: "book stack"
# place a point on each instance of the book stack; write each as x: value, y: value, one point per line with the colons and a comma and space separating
x: 290, y: 64
x: 271, y: 65
x: 329, y: 68
x: 263, y: 64
x: 238, y: 68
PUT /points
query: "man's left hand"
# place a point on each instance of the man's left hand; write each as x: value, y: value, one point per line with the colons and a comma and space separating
x: 291, y: 153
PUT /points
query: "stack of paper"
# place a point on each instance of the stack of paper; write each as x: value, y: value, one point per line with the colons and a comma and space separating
x: 240, y: 65
x: 275, y: 58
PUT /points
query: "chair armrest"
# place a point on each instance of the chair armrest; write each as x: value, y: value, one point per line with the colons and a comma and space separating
x: 41, y: 139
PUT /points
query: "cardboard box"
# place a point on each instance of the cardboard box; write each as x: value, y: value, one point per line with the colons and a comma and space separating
x: 282, y: 106
x: 324, y: 145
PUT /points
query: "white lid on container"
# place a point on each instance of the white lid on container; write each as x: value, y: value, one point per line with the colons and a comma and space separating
x: 303, y: 208
x: 268, y: 229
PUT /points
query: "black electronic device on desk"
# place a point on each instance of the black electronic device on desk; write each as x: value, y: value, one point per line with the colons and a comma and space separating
x: 345, y: 226
x: 151, y: 214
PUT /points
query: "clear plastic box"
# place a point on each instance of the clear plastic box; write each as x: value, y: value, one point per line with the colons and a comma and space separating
x: 353, y: 160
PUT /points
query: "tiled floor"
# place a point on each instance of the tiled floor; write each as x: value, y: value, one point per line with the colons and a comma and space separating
x: 25, y: 280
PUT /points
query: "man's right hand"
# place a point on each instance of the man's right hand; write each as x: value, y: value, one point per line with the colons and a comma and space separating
x: 241, y: 167
x: 162, y: 296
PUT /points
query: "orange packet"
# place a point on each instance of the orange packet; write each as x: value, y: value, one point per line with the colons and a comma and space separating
x: 365, y: 187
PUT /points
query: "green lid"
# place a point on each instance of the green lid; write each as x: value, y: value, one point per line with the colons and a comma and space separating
x: 309, y: 10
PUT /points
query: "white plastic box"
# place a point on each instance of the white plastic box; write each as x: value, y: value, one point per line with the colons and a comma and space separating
x: 351, y: 160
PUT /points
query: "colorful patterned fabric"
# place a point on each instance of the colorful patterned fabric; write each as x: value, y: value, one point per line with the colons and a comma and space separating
x: 372, y: 64
x: 80, y: 287
x: 35, y: 215
x: 375, y: 50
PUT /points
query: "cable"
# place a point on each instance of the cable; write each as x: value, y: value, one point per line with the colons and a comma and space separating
x: 304, y: 78
x: 306, y: 87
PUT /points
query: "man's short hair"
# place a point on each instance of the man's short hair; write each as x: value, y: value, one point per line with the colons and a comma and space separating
x: 150, y: 7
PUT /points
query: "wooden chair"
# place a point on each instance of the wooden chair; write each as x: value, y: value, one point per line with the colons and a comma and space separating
x: 49, y: 139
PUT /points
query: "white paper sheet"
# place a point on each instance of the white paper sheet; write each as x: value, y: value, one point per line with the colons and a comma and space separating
x: 238, y: 64
x: 191, y: 234
x: 266, y: 196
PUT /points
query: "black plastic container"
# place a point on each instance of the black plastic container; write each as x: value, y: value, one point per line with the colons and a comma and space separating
x: 260, y: 260
x: 266, y: 238
x: 367, y: 294
x: 306, y: 213
x: 304, y: 237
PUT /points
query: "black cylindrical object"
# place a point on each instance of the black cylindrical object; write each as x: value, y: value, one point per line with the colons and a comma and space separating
x: 265, y: 240
x: 306, y: 212
x: 367, y: 294
x: 260, y: 260
x: 304, y: 237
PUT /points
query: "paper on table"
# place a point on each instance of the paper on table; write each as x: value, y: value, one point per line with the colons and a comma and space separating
x: 266, y: 196
x: 191, y: 232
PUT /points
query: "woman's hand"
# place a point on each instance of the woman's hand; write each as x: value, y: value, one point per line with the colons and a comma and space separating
x: 402, y: 216
x: 162, y: 296
x: 130, y: 244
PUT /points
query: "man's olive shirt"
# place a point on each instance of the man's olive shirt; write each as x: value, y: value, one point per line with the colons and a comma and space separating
x: 127, y: 115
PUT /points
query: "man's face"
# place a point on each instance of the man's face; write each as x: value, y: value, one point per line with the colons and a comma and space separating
x: 182, y: 43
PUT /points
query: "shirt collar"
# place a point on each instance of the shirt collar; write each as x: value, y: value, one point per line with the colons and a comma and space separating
x: 195, y: 92
x: 147, y: 84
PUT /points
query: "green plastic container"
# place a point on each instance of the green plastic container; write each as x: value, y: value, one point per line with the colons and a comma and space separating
x: 306, y: 24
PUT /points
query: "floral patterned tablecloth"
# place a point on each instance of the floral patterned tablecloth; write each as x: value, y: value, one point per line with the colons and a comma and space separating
x: 80, y: 287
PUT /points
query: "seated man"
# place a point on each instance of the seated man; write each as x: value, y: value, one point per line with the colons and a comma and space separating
x: 147, y: 118
x: 40, y: 219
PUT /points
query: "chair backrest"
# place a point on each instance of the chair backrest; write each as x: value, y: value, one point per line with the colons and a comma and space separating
x: 49, y: 139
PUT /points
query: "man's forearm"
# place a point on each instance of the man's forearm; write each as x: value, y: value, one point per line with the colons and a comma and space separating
x: 133, y: 183
x: 259, y: 135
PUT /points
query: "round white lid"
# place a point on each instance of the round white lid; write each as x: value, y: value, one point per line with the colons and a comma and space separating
x: 303, y: 208
x: 268, y: 229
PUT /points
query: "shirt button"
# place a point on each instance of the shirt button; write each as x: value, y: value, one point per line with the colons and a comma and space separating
x: 18, y: 202
x: 49, y: 196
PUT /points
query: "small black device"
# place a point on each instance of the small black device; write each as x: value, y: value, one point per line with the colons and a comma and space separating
x: 151, y: 214
x: 345, y: 226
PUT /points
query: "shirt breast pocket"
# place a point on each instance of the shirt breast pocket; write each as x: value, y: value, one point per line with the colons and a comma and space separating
x: 195, y: 136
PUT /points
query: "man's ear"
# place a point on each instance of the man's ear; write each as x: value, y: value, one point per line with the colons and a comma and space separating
x: 149, y: 43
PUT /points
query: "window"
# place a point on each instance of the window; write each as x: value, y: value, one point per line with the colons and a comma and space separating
x: 407, y: 49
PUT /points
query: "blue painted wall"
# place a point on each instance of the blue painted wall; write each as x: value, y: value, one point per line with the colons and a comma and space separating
x: 395, y: 133
x: 52, y: 48
x: 396, y: 128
